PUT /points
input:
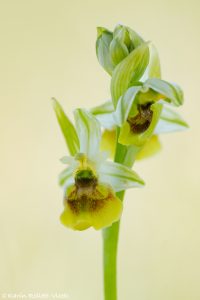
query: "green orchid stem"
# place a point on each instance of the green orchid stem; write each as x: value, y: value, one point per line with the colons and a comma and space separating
x: 110, y: 245
x: 124, y: 155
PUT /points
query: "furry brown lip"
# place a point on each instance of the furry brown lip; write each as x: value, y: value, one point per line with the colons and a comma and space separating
x: 141, y: 122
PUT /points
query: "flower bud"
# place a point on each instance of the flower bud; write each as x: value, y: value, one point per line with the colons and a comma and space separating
x: 113, y: 47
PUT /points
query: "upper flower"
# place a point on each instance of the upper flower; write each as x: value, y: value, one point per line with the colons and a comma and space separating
x: 138, y: 94
x: 143, y: 111
x: 90, y: 181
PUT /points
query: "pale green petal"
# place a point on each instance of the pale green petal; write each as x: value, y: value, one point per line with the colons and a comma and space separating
x: 172, y: 92
x: 89, y: 132
x: 67, y: 128
x: 170, y: 121
x: 124, y: 105
x: 128, y: 71
x: 119, y: 176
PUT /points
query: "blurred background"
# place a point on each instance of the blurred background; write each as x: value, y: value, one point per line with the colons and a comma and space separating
x: 48, y: 49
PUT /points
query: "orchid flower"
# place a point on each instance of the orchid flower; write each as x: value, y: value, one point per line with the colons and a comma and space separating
x: 91, y: 181
x: 169, y: 121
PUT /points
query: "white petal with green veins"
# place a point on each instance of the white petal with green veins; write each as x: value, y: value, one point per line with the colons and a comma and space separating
x: 89, y: 132
x: 119, y: 176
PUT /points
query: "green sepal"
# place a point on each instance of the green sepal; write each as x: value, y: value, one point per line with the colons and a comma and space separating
x: 128, y: 71
x: 136, y: 39
x: 154, y: 63
x: 128, y: 36
x: 127, y: 137
x: 170, y: 121
x: 171, y: 92
x: 153, y: 69
x: 121, y: 32
x: 104, y: 38
x: 67, y: 128
x: 101, y: 30
x: 118, y: 51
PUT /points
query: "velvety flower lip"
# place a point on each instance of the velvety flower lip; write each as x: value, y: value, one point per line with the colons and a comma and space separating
x: 95, y: 205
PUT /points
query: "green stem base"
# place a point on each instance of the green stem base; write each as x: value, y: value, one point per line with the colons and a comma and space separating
x: 110, y: 243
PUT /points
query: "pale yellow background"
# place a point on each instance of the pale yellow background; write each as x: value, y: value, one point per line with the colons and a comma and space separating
x: 48, y: 49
